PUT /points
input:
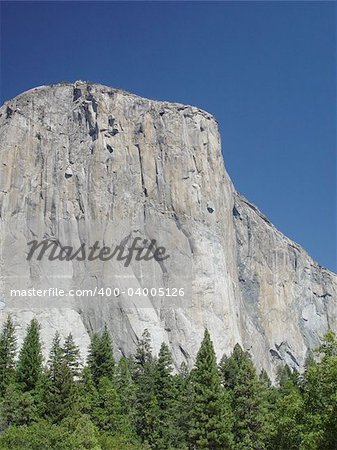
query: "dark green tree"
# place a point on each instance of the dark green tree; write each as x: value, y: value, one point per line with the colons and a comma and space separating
x: 29, y: 367
x: 268, y: 408
x: 17, y: 407
x: 328, y: 347
x: 287, y: 377
x: 87, y: 392
x: 59, y: 390
x: 74, y: 433
x: 247, y: 401
x: 288, y: 417
x: 82, y: 432
x: 101, y: 361
x: 127, y: 392
x: 107, y: 411
x: 211, y: 417
x: 264, y: 379
x: 228, y: 369
x: 71, y: 355
x: 143, y: 354
x: 288, y: 410
x: 184, y: 388
x: 147, y: 417
x: 320, y: 398
x: 55, y: 360
x: 7, y: 354
x: 166, y: 400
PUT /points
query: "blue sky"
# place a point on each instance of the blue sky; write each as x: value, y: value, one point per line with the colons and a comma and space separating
x: 266, y: 70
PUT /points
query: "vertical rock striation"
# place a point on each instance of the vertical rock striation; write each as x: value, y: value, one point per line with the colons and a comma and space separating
x: 81, y: 163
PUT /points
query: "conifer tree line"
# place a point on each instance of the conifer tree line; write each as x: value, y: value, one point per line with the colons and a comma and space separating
x: 140, y: 402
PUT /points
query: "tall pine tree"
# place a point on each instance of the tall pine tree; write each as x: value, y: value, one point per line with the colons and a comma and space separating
x: 239, y: 374
x: 7, y: 354
x: 126, y: 388
x: 320, y: 398
x: 71, y: 355
x: 211, y: 419
x: 165, y: 392
x: 29, y: 368
x: 101, y: 361
x: 107, y: 411
x: 59, y: 390
x: 147, y: 418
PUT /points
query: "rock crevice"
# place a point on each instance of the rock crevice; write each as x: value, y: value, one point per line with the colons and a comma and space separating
x: 82, y: 162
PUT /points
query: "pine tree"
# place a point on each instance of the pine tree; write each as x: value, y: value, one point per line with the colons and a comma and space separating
x: 127, y: 392
x: 268, y: 409
x: 71, y: 355
x: 82, y: 432
x: 247, y: 402
x: 320, y: 398
x: 228, y: 368
x: 7, y: 354
x: 59, y: 391
x: 288, y: 414
x: 211, y: 416
x: 184, y: 390
x: 165, y: 393
x: 143, y: 354
x: 29, y: 367
x: 328, y: 347
x: 17, y: 407
x: 163, y: 378
x: 101, y: 361
x: 87, y: 391
x: 55, y: 360
x: 287, y: 377
x: 146, y: 402
x: 107, y: 412
x: 264, y: 379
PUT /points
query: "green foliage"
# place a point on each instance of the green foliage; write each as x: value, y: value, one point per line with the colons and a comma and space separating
x: 166, y: 400
x: 247, y: 405
x: 7, y: 354
x: 107, y: 410
x: 147, y: 421
x: 141, y: 404
x: 39, y: 436
x: 87, y: 392
x: 288, y: 418
x: 17, y: 407
x: 101, y: 361
x: 143, y: 355
x: 211, y: 418
x: 329, y: 345
x: 264, y: 379
x: 248, y: 400
x: 29, y: 368
x: 184, y: 399
x: 71, y: 355
x: 126, y: 388
x: 120, y: 442
x: 320, y: 398
x: 59, y: 391
x: 79, y: 433
x: 287, y: 378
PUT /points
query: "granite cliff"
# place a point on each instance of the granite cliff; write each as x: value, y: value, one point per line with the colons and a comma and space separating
x: 81, y: 163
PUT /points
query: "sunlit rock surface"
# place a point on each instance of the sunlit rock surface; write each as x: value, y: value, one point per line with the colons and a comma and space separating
x: 81, y: 163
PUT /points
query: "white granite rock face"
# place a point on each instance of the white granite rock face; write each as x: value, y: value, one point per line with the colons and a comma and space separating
x: 83, y: 162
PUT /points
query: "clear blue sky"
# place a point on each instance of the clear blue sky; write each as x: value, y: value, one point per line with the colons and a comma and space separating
x: 266, y: 70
